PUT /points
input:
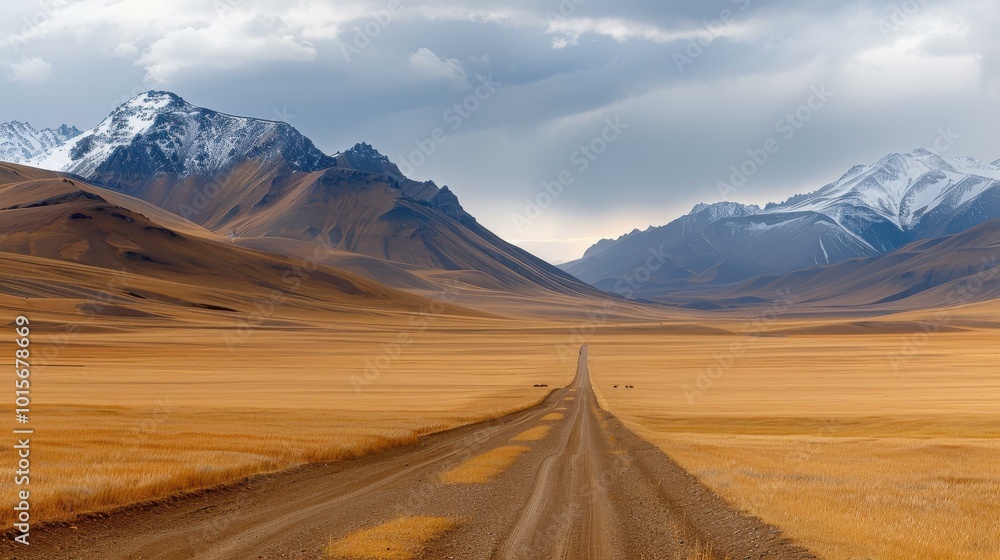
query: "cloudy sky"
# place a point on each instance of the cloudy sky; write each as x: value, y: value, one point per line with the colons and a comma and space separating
x: 630, y: 111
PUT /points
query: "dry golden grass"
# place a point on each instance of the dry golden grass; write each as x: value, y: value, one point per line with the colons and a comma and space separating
x: 553, y: 416
x: 134, y: 455
x: 534, y: 434
x: 820, y: 435
x: 880, y: 498
x: 568, y: 399
x: 484, y: 467
x: 399, y: 539
x: 698, y: 552
x: 183, y: 420
x: 809, y: 429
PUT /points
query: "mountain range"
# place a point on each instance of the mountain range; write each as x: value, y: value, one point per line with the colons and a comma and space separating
x: 20, y: 142
x: 871, y: 210
x: 64, y: 243
x: 263, y: 184
x: 901, y: 230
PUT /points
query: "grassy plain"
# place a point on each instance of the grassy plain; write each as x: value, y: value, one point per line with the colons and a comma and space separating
x: 871, y: 439
x: 534, y: 434
x: 125, y: 414
x: 484, y: 467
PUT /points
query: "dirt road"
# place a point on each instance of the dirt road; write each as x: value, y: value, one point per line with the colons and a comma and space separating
x: 587, y: 489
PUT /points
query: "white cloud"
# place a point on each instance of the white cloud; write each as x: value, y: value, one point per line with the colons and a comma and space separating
x: 219, y: 47
x: 509, y: 17
x: 125, y: 50
x: 30, y: 71
x: 429, y: 66
x: 563, y: 42
x: 622, y: 30
x: 568, y: 29
x: 168, y: 37
x: 904, y: 67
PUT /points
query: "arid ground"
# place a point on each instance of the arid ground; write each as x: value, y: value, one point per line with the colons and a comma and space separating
x: 859, y: 438
x: 191, y: 401
x: 840, y: 433
x: 559, y: 480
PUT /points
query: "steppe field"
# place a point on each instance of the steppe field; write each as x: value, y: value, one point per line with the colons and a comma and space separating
x: 284, y: 398
x: 859, y: 438
x: 840, y: 432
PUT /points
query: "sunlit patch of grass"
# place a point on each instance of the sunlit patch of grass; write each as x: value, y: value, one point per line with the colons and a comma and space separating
x: 399, y: 539
x: 534, y: 434
x: 851, y: 458
x: 909, y: 498
x: 128, y: 418
x: 699, y: 552
x: 552, y: 416
x: 484, y: 467
x: 100, y: 458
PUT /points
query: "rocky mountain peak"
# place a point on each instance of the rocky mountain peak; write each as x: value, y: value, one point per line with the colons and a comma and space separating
x: 158, y: 132
x: 20, y: 142
x: 364, y: 157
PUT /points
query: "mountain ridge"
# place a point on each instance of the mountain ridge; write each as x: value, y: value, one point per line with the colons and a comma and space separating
x: 159, y: 132
x: 20, y: 142
x: 870, y: 210
x: 52, y: 222
x: 246, y: 177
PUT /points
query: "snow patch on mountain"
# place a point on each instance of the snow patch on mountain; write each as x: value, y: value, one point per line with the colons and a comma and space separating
x: 870, y: 210
x: 722, y: 210
x: 900, y: 188
x: 160, y: 132
x: 760, y: 227
x: 20, y: 142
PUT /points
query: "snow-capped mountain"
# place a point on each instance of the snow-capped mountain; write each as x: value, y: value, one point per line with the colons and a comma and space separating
x: 253, y: 179
x: 20, y: 142
x: 700, y: 217
x: 158, y: 132
x: 704, y: 215
x: 871, y: 210
x: 610, y: 258
x: 882, y: 202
